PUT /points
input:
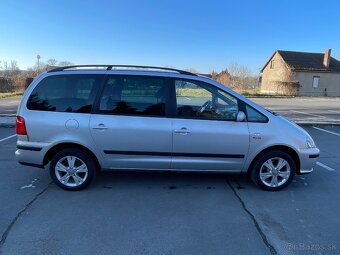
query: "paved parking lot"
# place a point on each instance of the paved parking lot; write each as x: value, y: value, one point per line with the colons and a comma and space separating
x: 170, y: 213
x: 305, y: 110
x: 8, y: 106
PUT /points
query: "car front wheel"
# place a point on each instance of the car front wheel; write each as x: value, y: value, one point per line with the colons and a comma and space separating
x: 273, y: 171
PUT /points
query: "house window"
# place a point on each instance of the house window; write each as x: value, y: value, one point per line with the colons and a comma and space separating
x: 316, y: 81
x: 272, y: 64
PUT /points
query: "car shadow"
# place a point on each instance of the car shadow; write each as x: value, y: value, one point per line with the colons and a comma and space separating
x: 171, y: 180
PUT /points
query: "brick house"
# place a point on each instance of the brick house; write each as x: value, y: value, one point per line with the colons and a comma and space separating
x: 301, y: 73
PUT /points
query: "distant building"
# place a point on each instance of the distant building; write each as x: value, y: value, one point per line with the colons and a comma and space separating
x: 301, y: 73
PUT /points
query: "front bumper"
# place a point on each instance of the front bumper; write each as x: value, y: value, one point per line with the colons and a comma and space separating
x: 308, y: 159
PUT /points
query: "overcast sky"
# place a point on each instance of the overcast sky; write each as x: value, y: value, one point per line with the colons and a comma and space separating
x: 203, y: 35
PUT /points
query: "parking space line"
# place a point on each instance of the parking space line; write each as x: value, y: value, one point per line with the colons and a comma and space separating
x: 333, y: 111
x: 311, y: 114
x: 324, y: 166
x: 6, y: 138
x: 327, y: 131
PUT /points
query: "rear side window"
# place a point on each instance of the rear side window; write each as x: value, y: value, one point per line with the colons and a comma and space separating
x: 134, y: 95
x: 65, y: 93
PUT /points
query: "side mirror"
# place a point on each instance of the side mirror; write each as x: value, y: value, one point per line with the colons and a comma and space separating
x: 240, y: 116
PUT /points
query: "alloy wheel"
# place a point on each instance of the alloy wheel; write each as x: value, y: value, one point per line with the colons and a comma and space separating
x: 275, y: 172
x: 71, y: 171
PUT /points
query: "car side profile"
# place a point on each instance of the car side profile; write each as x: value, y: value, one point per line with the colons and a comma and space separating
x: 81, y: 119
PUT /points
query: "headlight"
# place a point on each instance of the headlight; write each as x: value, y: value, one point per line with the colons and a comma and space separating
x: 310, y: 142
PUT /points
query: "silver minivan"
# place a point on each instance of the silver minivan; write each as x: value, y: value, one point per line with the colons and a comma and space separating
x: 80, y: 119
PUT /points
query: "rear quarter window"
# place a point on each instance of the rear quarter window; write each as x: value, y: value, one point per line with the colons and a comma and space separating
x: 65, y: 93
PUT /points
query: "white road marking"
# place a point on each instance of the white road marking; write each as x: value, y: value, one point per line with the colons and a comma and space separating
x: 333, y: 111
x: 28, y: 186
x: 327, y: 131
x: 324, y: 166
x: 188, y: 98
x: 310, y: 114
x: 4, y: 139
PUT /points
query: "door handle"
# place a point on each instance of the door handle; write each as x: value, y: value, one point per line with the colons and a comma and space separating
x: 183, y: 131
x: 100, y: 126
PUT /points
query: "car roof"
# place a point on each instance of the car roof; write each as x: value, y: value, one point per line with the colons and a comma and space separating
x: 128, y: 70
x: 112, y: 67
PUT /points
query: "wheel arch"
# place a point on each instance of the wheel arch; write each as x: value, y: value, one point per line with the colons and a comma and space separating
x: 66, y: 145
x: 290, y: 151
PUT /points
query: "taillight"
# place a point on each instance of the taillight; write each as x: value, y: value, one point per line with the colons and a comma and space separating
x: 20, y: 126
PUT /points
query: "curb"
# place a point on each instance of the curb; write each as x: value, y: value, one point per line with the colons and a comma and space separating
x: 309, y: 124
x: 7, y: 125
x: 7, y: 120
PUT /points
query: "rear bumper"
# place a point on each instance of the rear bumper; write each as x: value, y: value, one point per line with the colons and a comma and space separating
x: 308, y: 159
x: 32, y: 165
x: 30, y: 157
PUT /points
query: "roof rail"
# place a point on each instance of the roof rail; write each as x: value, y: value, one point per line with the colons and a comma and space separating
x: 109, y: 67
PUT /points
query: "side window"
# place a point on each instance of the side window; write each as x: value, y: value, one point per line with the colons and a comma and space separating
x: 255, y: 116
x: 134, y: 95
x: 64, y: 93
x: 199, y: 100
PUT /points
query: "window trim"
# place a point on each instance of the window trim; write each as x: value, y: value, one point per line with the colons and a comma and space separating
x: 174, y: 100
x: 96, y: 105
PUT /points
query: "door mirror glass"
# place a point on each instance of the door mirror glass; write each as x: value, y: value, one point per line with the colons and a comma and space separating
x: 241, y: 116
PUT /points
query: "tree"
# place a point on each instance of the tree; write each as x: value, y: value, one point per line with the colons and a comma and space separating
x: 237, y: 76
x: 191, y: 70
x: 52, y: 62
x: 242, y: 77
x: 65, y: 63
x: 224, y: 77
x: 214, y: 75
x: 10, y: 69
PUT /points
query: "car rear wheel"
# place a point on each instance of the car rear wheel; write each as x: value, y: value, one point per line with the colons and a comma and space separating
x: 273, y: 171
x: 72, y: 169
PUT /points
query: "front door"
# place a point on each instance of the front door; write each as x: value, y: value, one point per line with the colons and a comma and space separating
x: 206, y: 135
x: 129, y: 127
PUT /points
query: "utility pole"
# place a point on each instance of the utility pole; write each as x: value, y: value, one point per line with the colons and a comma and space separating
x: 38, y: 57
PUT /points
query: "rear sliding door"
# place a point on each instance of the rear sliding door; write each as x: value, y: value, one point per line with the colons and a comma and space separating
x: 129, y: 126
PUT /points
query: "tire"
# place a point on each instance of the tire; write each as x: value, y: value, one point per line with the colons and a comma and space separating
x: 77, y: 178
x: 273, y: 171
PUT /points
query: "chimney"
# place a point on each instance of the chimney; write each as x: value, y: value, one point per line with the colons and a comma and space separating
x: 327, y: 58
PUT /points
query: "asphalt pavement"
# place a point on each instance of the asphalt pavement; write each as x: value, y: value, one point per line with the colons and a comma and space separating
x: 9, y: 106
x: 170, y: 213
x: 305, y: 110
